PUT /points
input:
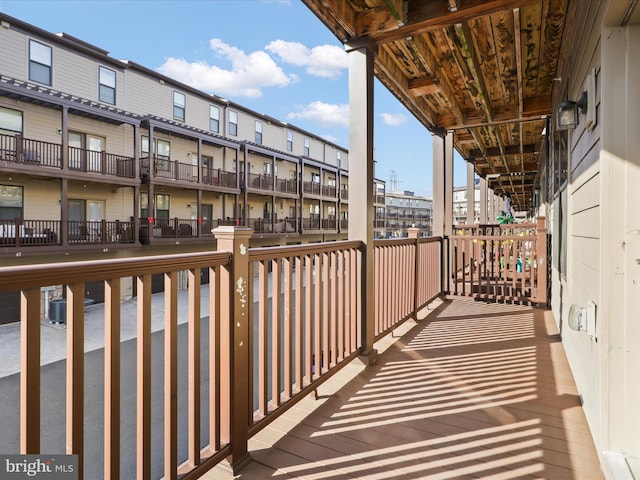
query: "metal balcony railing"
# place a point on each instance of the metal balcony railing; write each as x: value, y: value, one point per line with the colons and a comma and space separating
x: 25, y: 151
x: 41, y: 233
x: 35, y: 153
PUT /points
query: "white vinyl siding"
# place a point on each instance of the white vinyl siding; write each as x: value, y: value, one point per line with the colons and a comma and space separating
x: 12, y: 54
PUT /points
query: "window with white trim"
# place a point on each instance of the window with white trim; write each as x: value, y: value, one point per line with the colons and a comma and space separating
x: 11, y: 202
x: 289, y: 141
x: 106, y: 85
x: 40, y: 62
x: 179, y: 105
x: 233, y: 123
x: 214, y: 119
x: 10, y: 121
x: 258, y: 132
x: 307, y: 147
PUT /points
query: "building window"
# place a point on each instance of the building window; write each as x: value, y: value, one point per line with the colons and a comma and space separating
x: 40, y: 62
x: 10, y: 202
x: 267, y: 210
x: 563, y: 159
x: 289, y: 141
x: 161, y: 152
x: 214, y: 119
x: 307, y: 143
x: 258, y: 132
x: 162, y: 206
x: 339, y: 159
x: 107, y: 85
x: 315, y: 177
x: 179, y: 105
x: 233, y: 123
x: 10, y: 121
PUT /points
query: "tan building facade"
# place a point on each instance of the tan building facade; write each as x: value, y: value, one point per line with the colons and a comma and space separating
x: 98, y: 154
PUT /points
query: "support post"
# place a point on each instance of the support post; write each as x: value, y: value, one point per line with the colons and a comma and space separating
x: 361, y: 183
x: 483, y: 201
x: 542, y: 263
x: 443, y: 196
x: 235, y: 341
x: 413, y: 233
x: 471, y: 194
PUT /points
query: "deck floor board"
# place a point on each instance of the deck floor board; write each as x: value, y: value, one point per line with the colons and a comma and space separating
x: 473, y: 390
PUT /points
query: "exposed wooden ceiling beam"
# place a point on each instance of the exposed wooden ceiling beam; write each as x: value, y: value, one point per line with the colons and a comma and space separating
x: 390, y: 75
x: 464, y: 34
x: 423, y: 86
x: 508, y: 150
x: 337, y: 15
x: 427, y: 16
x: 500, y: 117
x: 423, y: 52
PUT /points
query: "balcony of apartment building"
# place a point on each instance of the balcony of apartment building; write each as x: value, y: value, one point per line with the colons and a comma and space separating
x: 268, y: 170
x: 41, y: 158
x: 461, y: 383
x: 319, y: 181
x: 320, y: 216
x: 344, y: 189
x: 173, y: 154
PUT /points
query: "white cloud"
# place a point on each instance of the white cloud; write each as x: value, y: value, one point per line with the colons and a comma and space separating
x: 323, y: 113
x: 330, y: 138
x: 326, y: 61
x: 393, y: 119
x: 249, y: 73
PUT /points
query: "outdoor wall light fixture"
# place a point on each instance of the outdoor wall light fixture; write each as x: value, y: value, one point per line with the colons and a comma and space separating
x: 568, y: 112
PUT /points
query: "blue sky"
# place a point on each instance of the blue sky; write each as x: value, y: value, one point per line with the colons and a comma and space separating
x: 272, y: 56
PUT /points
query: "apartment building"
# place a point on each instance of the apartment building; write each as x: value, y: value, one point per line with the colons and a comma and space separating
x: 107, y: 157
x: 405, y: 210
x: 99, y: 154
x: 460, y: 214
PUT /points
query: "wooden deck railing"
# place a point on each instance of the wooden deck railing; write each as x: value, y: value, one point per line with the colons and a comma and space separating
x: 304, y: 320
x: 500, y: 262
x: 281, y: 320
x: 407, y: 277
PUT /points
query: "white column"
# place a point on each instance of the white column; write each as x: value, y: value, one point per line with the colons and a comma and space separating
x: 361, y: 212
x: 471, y: 194
x: 492, y: 206
x: 443, y: 185
x: 448, y: 184
x: 438, y: 186
x: 483, y: 201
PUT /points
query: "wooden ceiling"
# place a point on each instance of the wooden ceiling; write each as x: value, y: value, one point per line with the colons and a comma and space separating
x: 482, y: 68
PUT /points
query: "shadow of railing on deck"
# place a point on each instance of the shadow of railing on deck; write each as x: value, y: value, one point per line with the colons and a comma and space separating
x: 476, y: 391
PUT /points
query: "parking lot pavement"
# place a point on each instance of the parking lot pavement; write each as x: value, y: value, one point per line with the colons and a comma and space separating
x: 53, y: 336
